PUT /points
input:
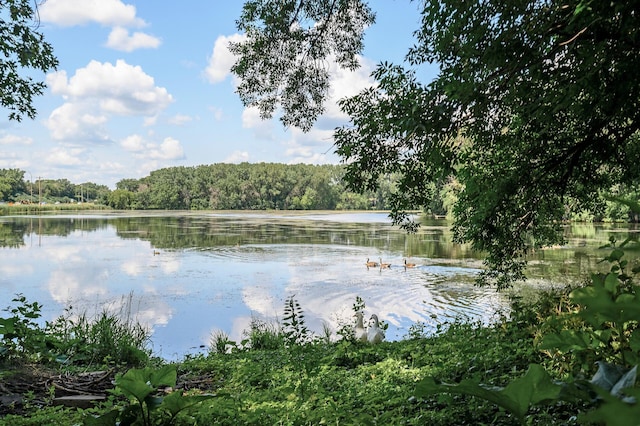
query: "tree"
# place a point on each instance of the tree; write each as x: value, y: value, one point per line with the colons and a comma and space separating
x: 23, y: 48
x: 11, y: 183
x: 283, y: 61
x: 120, y: 199
x: 536, y: 105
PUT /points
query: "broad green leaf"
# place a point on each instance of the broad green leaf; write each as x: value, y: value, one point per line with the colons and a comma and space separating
x: 108, y: 419
x: 165, y: 376
x: 140, y: 383
x: 176, y: 401
x: 428, y: 386
x: 611, y: 282
x: 566, y: 341
x: 135, y: 383
x: 153, y: 402
x: 634, y: 340
x: 7, y: 325
x: 534, y: 387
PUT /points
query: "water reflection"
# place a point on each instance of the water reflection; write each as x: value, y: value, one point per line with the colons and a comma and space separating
x: 218, y: 271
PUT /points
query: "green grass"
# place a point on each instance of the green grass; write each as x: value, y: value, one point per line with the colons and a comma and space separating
x: 15, y: 209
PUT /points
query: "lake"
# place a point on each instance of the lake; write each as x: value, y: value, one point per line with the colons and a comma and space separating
x: 186, y: 275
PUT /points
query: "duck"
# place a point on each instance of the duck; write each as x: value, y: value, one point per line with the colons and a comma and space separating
x: 384, y: 265
x: 371, y: 263
x: 156, y: 252
x: 409, y: 265
x: 359, y: 332
x: 375, y: 334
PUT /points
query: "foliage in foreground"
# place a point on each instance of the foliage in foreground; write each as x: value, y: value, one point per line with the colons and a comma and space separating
x: 71, y: 339
x: 24, y: 50
x: 569, y: 358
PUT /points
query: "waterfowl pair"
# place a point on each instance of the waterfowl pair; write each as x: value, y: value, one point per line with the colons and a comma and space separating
x: 374, y: 334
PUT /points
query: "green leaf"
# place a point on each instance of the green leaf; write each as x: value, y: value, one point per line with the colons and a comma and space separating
x: 634, y: 340
x: 428, y: 386
x: 176, y: 401
x: 135, y: 383
x: 7, y: 325
x: 611, y: 282
x: 108, y: 419
x: 165, y: 376
x: 566, y: 341
x: 615, y: 255
x: 534, y: 387
x: 140, y: 383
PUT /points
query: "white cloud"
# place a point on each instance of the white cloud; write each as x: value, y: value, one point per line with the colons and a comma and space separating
x: 169, y: 149
x: 75, y: 122
x: 217, y: 113
x: 68, y: 13
x: 133, y: 143
x: 119, y: 89
x: 65, y: 157
x: 11, y: 160
x: 237, y: 157
x: 221, y: 59
x: 313, y: 147
x: 110, y: 168
x: 120, y: 39
x: 263, y: 129
x: 97, y: 92
x: 150, y: 121
x: 180, y: 119
x: 346, y: 83
x: 15, y: 140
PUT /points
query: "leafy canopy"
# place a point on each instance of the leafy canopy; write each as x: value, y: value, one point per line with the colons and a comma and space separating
x: 22, y: 48
x: 536, y: 107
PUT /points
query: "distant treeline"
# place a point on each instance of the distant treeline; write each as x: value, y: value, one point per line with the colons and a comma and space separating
x: 263, y: 186
x: 16, y: 188
x: 246, y: 186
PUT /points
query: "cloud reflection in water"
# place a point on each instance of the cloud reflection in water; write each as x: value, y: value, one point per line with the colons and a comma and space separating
x: 218, y: 273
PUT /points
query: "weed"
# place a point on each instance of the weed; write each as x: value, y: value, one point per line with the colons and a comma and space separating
x: 71, y: 339
x: 220, y: 343
x: 263, y: 336
x: 295, y: 331
x: 22, y: 338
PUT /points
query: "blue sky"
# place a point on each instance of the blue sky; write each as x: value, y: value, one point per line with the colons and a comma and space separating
x: 143, y: 85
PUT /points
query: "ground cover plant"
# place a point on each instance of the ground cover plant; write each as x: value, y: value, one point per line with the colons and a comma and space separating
x: 569, y: 357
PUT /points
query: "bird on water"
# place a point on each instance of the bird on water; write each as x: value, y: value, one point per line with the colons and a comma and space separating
x: 371, y: 263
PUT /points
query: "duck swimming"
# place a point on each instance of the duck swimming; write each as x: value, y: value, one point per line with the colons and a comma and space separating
x: 371, y: 263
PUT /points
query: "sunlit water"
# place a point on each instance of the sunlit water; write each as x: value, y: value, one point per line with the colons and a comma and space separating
x: 217, y: 272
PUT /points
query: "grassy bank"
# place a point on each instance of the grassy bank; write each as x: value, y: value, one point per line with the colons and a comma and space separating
x: 20, y: 209
x: 565, y: 358
x: 268, y: 379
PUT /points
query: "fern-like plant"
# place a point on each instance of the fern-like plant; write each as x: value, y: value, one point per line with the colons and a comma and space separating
x: 295, y: 329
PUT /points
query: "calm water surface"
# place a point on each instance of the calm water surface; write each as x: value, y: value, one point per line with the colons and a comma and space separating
x: 217, y: 271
